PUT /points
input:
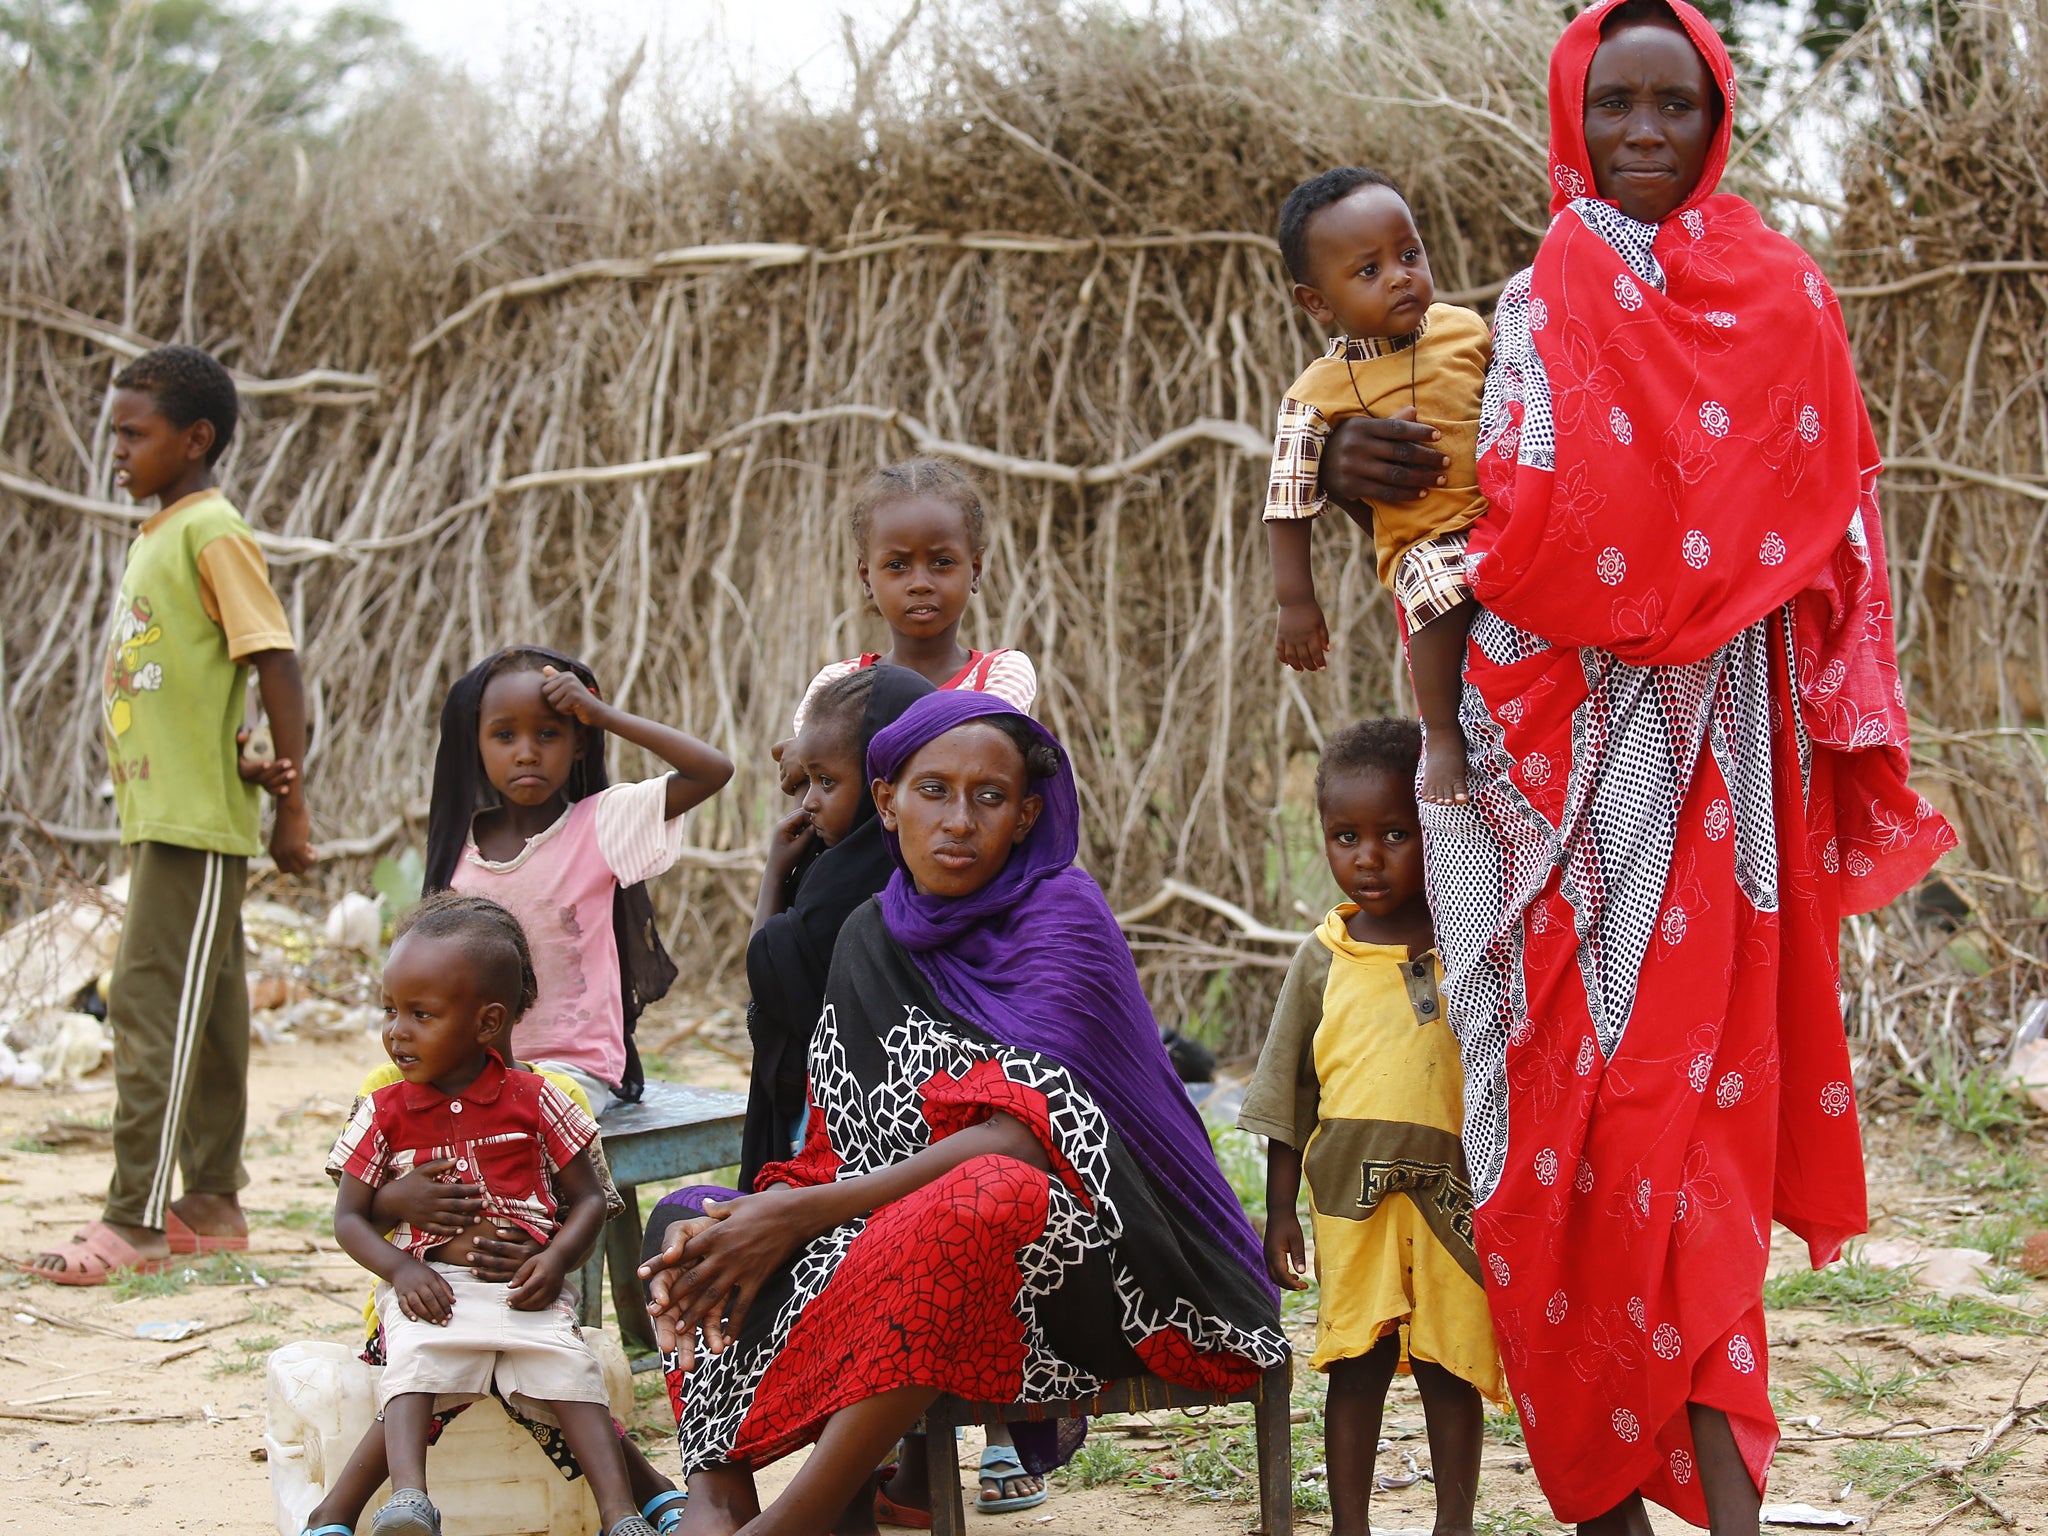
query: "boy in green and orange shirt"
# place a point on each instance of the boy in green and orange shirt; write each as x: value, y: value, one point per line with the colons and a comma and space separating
x: 195, y: 614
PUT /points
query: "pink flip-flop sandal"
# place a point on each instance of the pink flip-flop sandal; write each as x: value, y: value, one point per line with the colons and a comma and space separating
x: 184, y: 1240
x: 91, y: 1258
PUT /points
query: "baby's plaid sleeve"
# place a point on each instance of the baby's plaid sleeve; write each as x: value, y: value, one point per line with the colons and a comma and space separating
x: 361, y: 1151
x: 1295, y: 490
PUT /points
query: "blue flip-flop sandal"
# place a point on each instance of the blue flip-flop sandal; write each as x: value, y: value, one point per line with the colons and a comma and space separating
x: 665, y: 1510
x: 999, y: 1464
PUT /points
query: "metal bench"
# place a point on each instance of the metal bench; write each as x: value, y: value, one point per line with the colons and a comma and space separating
x: 1270, y: 1401
x: 673, y: 1132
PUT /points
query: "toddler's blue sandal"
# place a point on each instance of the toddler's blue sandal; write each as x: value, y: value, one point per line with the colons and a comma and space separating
x: 327, y: 1530
x: 409, y: 1512
x: 999, y: 1465
x: 665, y: 1510
x: 632, y: 1525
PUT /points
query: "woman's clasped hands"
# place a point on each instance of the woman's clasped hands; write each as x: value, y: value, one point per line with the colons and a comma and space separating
x: 708, y: 1273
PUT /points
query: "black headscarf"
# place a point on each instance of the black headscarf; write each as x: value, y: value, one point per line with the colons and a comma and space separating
x: 645, y: 970
x: 787, y: 961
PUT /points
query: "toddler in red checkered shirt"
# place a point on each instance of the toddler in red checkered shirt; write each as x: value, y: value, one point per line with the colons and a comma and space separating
x: 456, y: 979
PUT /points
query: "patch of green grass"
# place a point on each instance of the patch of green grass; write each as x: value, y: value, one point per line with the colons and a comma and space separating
x: 1959, y: 1314
x: 2014, y: 1169
x: 248, y: 1360
x: 1244, y: 1165
x: 2000, y: 1236
x: 135, y: 1284
x: 268, y: 1314
x: 1513, y: 1522
x: 1300, y: 1306
x: 1867, y: 1388
x: 1847, y: 1283
x: 27, y: 1143
x: 297, y: 1217
x: 2007, y: 1282
x: 1878, y: 1467
x: 230, y: 1269
x: 1221, y: 1466
x: 1101, y: 1459
x: 1971, y: 1100
x: 1504, y: 1426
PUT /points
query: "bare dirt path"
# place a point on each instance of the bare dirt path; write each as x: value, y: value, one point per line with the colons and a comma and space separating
x: 100, y: 1428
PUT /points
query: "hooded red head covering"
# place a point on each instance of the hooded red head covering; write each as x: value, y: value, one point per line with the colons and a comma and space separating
x: 1713, y: 461
x: 1571, y: 168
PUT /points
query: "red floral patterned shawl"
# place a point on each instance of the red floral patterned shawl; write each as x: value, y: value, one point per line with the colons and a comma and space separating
x: 1688, y: 762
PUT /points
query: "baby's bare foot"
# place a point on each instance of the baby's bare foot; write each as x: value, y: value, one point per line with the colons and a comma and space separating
x: 1443, y: 767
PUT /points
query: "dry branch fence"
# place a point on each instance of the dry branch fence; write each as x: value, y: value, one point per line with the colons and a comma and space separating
x: 514, y: 382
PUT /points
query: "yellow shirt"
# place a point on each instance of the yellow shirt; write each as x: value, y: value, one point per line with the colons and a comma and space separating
x: 1360, y: 1071
x: 1443, y: 376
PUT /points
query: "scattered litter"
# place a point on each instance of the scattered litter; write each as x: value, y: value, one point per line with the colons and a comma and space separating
x: 1807, y: 1515
x: 268, y: 990
x: 355, y: 922
x: 51, y: 1045
x: 169, y: 1333
x: 1389, y: 1481
x: 48, y: 959
x: 1944, y: 1271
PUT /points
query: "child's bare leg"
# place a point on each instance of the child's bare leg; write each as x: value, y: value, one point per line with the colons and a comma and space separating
x: 1628, y: 1518
x: 911, y: 1486
x: 645, y: 1482
x: 361, y: 1476
x: 1733, y: 1503
x: 1436, y: 659
x: 722, y: 1499
x: 1457, y: 1432
x: 587, y: 1427
x: 1351, y: 1433
x: 408, y: 1418
x: 854, y: 1441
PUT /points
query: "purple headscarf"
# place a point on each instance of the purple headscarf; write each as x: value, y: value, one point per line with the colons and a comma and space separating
x: 1035, y: 959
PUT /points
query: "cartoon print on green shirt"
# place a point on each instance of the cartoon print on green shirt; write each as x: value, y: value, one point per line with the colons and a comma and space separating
x: 127, y: 675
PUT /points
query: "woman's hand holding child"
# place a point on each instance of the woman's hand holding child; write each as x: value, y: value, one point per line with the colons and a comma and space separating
x: 423, y: 1201
x: 538, y: 1281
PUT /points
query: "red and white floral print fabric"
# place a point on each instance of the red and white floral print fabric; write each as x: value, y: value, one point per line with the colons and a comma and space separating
x: 1688, y: 763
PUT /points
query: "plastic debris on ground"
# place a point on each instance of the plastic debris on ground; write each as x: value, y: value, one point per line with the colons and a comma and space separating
x: 1806, y: 1515
x: 169, y: 1333
x: 1944, y: 1271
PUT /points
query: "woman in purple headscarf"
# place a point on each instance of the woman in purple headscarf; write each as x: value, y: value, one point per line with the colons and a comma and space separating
x: 1004, y: 1194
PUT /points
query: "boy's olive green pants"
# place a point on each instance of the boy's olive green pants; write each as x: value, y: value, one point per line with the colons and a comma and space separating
x: 179, y: 1009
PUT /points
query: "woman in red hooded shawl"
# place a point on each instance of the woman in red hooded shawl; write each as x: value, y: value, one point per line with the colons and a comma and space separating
x: 1688, y: 764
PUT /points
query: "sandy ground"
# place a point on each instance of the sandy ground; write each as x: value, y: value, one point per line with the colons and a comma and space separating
x: 101, y: 1428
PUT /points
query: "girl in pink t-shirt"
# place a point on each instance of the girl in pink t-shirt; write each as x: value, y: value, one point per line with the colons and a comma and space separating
x: 523, y: 813
x: 919, y: 534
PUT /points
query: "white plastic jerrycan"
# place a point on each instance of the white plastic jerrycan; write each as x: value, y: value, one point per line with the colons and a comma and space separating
x: 488, y: 1475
